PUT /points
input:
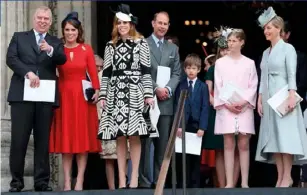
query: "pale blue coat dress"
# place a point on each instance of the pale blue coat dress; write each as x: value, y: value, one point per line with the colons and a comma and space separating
x: 287, y: 134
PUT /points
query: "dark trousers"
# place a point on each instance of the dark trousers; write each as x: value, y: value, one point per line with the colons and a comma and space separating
x: 26, y: 116
x: 304, y: 174
x: 192, y: 162
x: 192, y: 170
x: 160, y: 144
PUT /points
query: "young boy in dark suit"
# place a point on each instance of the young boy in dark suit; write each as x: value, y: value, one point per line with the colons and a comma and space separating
x: 196, y: 111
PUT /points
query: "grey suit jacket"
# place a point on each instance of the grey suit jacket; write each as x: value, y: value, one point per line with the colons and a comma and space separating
x: 169, y: 58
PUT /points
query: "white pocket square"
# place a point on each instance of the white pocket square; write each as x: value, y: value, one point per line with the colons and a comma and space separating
x: 171, y: 56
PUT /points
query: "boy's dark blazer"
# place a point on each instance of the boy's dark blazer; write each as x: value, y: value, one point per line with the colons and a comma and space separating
x: 199, y: 103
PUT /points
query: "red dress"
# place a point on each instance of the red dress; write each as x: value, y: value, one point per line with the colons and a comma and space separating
x: 75, y: 125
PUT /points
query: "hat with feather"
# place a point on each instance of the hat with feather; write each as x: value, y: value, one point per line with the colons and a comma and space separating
x: 221, y: 40
x: 123, y: 13
x: 266, y: 17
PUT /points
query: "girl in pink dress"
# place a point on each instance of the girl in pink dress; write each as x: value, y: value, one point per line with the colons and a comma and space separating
x: 236, y: 118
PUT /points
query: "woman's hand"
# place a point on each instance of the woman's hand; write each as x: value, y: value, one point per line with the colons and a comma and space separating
x: 259, y: 106
x: 150, y: 102
x: 291, y: 100
x: 95, y: 96
x: 233, y: 108
x: 211, y: 100
x: 103, y: 104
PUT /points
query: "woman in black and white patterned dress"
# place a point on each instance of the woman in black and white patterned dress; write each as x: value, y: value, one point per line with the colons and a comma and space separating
x: 126, y: 87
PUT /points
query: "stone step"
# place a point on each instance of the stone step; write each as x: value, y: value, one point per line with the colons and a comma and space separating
x: 5, y: 183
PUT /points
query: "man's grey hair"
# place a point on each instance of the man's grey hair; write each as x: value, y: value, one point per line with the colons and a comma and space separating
x: 97, y: 57
x: 45, y: 9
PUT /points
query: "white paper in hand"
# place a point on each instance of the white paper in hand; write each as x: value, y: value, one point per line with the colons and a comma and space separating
x: 154, y: 114
x: 163, y: 76
x: 230, y: 93
x: 44, y: 93
x: 192, y: 142
x: 85, y: 85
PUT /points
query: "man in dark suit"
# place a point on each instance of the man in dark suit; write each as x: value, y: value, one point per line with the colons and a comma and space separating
x: 301, y: 82
x: 196, y: 110
x: 32, y: 55
x: 162, y: 53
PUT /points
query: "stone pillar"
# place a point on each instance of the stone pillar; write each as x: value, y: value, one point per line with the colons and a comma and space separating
x: 87, y: 16
x: 10, y: 23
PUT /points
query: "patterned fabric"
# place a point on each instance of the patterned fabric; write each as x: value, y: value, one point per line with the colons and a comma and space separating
x: 109, y: 149
x: 125, y: 83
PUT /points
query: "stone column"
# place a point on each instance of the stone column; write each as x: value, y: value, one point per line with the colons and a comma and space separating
x: 14, y: 17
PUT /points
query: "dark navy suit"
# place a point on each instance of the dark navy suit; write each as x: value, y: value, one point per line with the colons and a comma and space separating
x: 196, y: 117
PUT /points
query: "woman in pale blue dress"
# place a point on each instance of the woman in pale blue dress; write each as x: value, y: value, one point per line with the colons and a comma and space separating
x: 282, y: 140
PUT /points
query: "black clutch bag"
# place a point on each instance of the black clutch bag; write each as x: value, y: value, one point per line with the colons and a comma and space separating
x: 89, y: 92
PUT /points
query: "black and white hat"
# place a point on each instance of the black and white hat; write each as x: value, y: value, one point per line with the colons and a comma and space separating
x: 123, y: 13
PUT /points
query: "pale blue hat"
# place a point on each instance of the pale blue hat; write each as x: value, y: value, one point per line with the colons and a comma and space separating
x: 266, y: 17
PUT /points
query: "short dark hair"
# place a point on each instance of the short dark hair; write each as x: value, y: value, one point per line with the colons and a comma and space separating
x: 161, y: 12
x: 287, y: 27
x: 192, y: 60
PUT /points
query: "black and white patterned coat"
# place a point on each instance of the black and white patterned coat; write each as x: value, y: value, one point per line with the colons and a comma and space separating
x: 125, y: 83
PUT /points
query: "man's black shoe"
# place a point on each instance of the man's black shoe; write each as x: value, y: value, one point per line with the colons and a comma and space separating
x: 43, y: 188
x: 15, y: 189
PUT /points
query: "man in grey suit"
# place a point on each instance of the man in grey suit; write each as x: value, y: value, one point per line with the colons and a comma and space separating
x: 163, y: 53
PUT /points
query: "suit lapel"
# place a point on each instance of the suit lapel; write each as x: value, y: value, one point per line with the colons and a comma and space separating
x: 32, y: 41
x: 154, y: 49
x: 196, y: 88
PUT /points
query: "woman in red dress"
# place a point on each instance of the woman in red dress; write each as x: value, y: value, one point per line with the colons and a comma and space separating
x: 75, y: 124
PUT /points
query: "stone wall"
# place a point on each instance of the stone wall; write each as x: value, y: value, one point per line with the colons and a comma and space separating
x: 17, y: 16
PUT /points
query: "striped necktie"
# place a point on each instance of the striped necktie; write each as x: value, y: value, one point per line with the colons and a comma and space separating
x: 41, y: 38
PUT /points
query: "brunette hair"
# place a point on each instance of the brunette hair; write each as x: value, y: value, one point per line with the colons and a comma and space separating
x: 192, y: 60
x: 78, y: 26
x: 133, y: 33
x: 211, y: 60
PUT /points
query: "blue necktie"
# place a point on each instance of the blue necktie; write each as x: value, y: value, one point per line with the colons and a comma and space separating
x: 190, y: 90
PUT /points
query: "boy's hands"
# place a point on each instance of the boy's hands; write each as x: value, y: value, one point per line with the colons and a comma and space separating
x: 179, y: 132
x: 200, y: 133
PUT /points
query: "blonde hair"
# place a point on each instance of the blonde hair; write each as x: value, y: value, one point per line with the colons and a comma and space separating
x: 192, y: 60
x: 279, y: 23
x: 133, y: 33
x: 238, y: 33
x: 44, y: 9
